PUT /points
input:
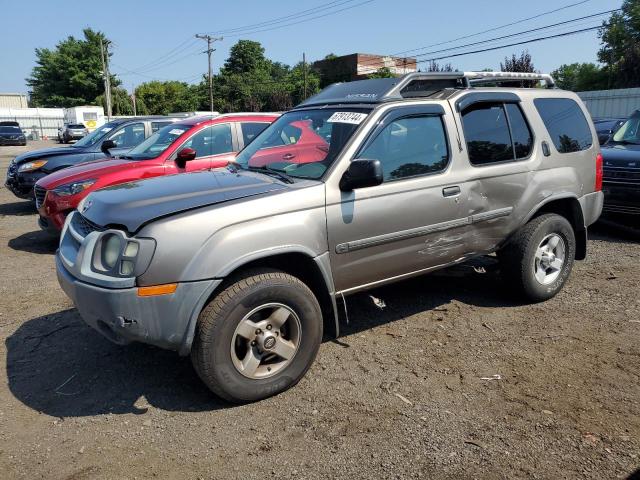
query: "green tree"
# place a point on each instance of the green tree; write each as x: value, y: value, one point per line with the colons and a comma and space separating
x: 523, y: 63
x: 69, y: 75
x: 620, y: 51
x: 383, y: 72
x: 121, y: 103
x: 580, y: 77
x: 162, y: 98
x: 434, y: 66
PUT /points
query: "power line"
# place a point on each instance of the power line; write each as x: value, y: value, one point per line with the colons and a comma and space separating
x: 302, y: 13
x: 301, y: 21
x: 539, y: 39
x: 490, y: 40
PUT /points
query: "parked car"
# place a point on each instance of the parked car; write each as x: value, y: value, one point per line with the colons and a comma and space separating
x: 196, y: 143
x: 244, y: 267
x: 125, y: 133
x: 622, y: 170
x: 605, y: 127
x: 72, y: 131
x: 12, y: 135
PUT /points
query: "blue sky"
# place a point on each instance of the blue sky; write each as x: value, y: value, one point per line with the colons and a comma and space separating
x: 154, y: 38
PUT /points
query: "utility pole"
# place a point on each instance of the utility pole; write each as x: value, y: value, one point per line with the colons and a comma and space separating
x: 133, y: 99
x: 107, y: 77
x: 304, y: 70
x: 209, y: 51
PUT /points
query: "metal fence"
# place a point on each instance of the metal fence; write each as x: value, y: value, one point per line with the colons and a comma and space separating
x: 37, y: 127
x: 612, y: 103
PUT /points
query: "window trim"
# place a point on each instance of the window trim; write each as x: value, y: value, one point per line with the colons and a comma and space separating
x: 547, y: 128
x: 400, y: 114
x: 513, y: 147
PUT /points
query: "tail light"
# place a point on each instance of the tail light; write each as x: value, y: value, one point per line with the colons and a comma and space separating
x: 599, y: 173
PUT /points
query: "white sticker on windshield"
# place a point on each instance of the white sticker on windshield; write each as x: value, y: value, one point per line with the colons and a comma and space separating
x: 105, y: 130
x: 176, y: 131
x: 347, y: 117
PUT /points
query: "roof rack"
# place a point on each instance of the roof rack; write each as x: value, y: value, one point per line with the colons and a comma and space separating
x: 480, y: 78
x: 414, y: 85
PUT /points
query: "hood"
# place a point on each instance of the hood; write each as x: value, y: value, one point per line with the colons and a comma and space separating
x: 134, y: 204
x: 84, y: 171
x: 48, y: 153
x: 618, y: 155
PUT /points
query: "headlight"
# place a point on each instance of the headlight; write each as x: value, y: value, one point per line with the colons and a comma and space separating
x: 31, y: 166
x: 117, y: 255
x: 111, y: 250
x: 73, y: 188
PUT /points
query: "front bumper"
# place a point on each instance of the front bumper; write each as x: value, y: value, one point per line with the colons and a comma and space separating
x: 21, y: 184
x: 621, y: 198
x: 13, y: 141
x: 166, y: 321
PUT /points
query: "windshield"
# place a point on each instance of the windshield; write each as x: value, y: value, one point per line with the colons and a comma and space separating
x: 10, y: 130
x: 95, y: 136
x: 302, y: 143
x: 157, y: 143
x: 629, y: 132
x: 75, y: 126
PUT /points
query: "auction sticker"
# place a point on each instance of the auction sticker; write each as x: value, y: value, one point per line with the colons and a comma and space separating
x: 176, y: 131
x: 347, y: 117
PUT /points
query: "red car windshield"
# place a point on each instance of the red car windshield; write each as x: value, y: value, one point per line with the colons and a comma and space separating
x: 157, y: 143
x: 302, y: 143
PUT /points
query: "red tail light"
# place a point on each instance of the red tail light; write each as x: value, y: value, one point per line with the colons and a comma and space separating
x: 599, y: 173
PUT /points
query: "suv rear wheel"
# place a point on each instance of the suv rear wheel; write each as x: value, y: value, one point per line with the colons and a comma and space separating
x: 258, y: 337
x: 539, y: 258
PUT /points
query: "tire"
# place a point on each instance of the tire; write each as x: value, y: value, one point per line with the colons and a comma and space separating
x: 218, y: 344
x: 531, y: 252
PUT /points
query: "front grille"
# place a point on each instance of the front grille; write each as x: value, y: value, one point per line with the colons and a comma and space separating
x: 40, y: 193
x: 83, y: 226
x: 622, y: 175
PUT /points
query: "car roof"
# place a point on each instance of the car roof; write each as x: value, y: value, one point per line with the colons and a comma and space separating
x: 241, y: 116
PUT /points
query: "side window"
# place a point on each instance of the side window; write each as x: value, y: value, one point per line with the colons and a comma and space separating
x: 520, y: 133
x: 251, y: 130
x: 155, y: 126
x: 221, y: 141
x: 200, y: 142
x: 486, y: 131
x: 565, y: 123
x: 410, y: 146
x: 129, y: 136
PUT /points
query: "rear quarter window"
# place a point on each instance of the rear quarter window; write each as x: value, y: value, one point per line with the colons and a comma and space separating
x: 565, y: 123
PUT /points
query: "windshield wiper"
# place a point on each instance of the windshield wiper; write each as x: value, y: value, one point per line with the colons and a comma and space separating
x: 274, y: 173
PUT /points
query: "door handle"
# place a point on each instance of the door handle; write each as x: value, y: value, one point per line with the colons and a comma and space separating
x: 545, y: 149
x: 288, y: 156
x: 451, y: 191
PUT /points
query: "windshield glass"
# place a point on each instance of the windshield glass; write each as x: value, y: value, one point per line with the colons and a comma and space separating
x: 95, y: 136
x: 629, y: 132
x: 157, y: 143
x: 302, y: 143
x: 10, y: 130
x: 75, y: 126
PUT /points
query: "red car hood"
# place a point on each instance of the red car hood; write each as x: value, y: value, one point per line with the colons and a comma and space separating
x: 84, y: 171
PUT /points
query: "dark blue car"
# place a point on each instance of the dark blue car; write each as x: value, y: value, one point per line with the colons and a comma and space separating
x: 621, y: 183
x: 124, y: 134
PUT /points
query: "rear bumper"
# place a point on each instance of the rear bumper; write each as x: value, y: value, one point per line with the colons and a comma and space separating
x: 166, y: 321
x: 622, y: 198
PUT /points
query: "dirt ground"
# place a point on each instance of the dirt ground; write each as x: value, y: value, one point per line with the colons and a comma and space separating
x: 450, y: 379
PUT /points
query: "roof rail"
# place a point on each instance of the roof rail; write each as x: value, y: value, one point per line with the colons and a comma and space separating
x: 479, y: 78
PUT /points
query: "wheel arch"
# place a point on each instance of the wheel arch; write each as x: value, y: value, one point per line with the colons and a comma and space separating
x: 567, y: 206
x: 314, y: 271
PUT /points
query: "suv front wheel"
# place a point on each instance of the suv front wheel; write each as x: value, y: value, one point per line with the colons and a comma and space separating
x: 258, y: 337
x: 538, y: 259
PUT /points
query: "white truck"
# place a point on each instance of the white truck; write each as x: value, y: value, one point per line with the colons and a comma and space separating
x: 90, y: 116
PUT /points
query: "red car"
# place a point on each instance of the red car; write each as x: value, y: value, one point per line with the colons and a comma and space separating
x: 198, y: 143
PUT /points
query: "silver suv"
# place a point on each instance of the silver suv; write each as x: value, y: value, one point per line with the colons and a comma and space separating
x: 366, y: 183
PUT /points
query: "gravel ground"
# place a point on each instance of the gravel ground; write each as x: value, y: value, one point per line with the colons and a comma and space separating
x: 450, y: 379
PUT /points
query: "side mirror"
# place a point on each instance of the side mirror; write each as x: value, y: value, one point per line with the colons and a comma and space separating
x: 185, y: 155
x: 107, y: 145
x: 361, y: 173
